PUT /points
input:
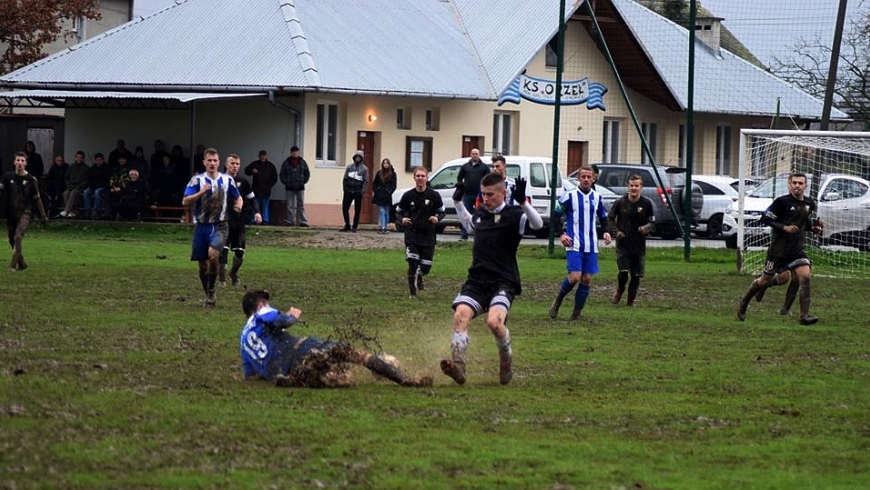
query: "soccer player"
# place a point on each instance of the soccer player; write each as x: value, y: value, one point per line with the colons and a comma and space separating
x: 630, y: 220
x: 579, y: 208
x: 494, y: 278
x: 236, y: 222
x: 419, y: 210
x: 269, y: 352
x: 500, y: 167
x: 22, y: 192
x: 788, y: 216
x: 210, y: 191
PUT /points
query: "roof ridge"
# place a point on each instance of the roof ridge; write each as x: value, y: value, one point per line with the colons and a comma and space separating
x: 464, y: 29
x: 300, y: 42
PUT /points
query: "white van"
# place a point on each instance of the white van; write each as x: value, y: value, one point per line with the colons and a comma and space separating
x: 536, y: 171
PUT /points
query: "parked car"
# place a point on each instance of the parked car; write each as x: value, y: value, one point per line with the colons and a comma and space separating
x: 536, y: 171
x: 614, y: 176
x: 720, y: 198
x: 843, y: 205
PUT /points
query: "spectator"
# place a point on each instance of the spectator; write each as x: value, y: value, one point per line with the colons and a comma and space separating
x: 264, y: 176
x: 469, y: 176
x: 383, y: 186
x: 35, y: 166
x: 294, y: 176
x: 139, y: 163
x: 355, y: 182
x: 133, y: 198
x: 166, y: 184
x: 119, y: 151
x: 198, y: 165
x: 98, y: 186
x: 119, y: 179
x: 180, y: 162
x: 55, y: 184
x: 76, y: 183
x: 156, y: 160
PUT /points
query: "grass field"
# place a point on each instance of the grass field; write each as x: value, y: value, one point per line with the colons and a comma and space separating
x: 113, y: 375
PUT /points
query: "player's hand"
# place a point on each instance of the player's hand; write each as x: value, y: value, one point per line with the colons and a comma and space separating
x: 818, y: 227
x: 295, y: 312
x: 258, y: 218
x: 519, y: 191
x: 406, y: 221
x: 620, y: 235
x: 433, y: 219
x: 565, y: 240
x: 205, y: 188
x: 607, y: 238
x: 790, y: 229
x: 458, y: 191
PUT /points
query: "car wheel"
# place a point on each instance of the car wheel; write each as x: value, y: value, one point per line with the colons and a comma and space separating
x: 714, y: 226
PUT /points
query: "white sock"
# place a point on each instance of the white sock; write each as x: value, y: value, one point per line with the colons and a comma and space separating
x: 504, y: 343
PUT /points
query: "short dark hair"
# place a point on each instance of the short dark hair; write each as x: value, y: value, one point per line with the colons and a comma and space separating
x: 294, y: 148
x: 498, y: 158
x: 99, y: 155
x: 252, y: 298
x: 262, y: 152
x: 491, y: 179
x: 797, y: 174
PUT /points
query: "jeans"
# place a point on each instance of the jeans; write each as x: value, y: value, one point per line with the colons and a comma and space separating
x: 383, y: 217
x: 96, y: 195
x: 263, y: 203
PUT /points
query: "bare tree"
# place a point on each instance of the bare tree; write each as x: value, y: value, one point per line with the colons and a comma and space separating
x: 807, y: 68
x: 26, y: 26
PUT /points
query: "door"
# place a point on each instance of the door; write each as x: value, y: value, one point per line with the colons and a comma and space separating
x: 365, y: 141
x: 577, y: 151
x: 469, y: 143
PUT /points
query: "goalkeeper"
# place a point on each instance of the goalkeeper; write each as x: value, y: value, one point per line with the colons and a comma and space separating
x: 269, y: 352
x: 788, y: 216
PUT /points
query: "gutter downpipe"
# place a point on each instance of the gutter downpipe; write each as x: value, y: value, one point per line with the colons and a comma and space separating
x: 297, y: 117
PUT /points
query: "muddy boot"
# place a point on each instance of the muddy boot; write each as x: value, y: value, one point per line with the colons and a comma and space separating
x: 555, y: 305
x: 412, y: 286
x: 575, y: 315
x: 744, y: 301
x: 382, y: 368
x: 806, y: 318
x: 455, y: 368
x: 505, y: 361
x: 790, y: 296
x: 617, y: 295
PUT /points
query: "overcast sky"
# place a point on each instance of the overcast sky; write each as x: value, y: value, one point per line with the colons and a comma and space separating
x: 767, y: 27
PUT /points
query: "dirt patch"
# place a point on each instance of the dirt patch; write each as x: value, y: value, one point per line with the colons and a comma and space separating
x: 331, y: 239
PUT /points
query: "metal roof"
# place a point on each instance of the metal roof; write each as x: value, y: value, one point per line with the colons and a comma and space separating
x: 724, y: 82
x: 72, y: 94
x: 469, y: 49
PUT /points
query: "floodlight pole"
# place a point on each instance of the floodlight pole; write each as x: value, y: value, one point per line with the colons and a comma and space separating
x: 690, y: 136
x: 557, y: 112
x: 832, y: 67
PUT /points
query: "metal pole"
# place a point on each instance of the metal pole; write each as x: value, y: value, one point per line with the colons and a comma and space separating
x: 557, y: 112
x: 690, y: 136
x: 832, y: 67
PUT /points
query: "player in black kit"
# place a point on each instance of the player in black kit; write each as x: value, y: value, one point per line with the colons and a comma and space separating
x: 630, y: 220
x: 21, y: 190
x: 236, y: 223
x: 419, y: 210
x: 788, y: 216
x: 494, y: 277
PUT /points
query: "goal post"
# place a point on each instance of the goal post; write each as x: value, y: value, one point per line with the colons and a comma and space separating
x: 837, y: 165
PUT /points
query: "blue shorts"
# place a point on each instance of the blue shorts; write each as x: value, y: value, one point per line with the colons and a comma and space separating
x: 583, y: 262
x: 205, y: 236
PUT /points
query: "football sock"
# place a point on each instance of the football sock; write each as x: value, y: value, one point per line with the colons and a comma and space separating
x: 632, y: 288
x: 459, y: 346
x: 790, y: 296
x: 565, y: 288
x: 580, y: 296
x: 805, y: 298
x: 504, y: 343
x: 203, y: 278
x: 622, y: 279
x: 237, y: 264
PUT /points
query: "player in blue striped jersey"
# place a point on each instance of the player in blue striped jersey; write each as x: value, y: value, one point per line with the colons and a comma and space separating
x: 210, y: 191
x: 580, y: 208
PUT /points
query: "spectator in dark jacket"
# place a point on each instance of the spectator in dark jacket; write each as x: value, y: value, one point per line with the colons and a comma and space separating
x: 264, y: 176
x: 383, y: 186
x: 76, y: 183
x: 98, y: 186
x: 354, y: 184
x: 55, y: 184
x: 133, y: 198
x: 294, y: 176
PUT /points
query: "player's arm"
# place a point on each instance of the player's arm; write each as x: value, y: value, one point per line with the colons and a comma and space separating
x: 43, y: 218
x: 438, y: 206
x: 602, y: 218
x: 611, y: 219
x: 650, y: 225
x: 770, y: 216
x: 461, y: 213
x: 193, y: 192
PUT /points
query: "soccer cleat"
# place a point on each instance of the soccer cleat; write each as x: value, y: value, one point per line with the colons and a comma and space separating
x: 454, y: 370
x: 22, y: 264
x: 234, y: 278
x: 211, y: 298
x: 617, y: 295
x: 421, y: 382
x: 808, y: 320
x: 575, y: 315
x: 554, y: 306
x: 784, y: 311
x: 505, y: 369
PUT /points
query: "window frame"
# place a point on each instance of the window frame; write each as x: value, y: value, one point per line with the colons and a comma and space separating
x: 425, y: 152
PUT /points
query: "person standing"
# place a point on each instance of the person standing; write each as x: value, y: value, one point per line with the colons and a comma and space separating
x: 294, y: 176
x: 630, y: 220
x: 35, y: 165
x: 494, y: 277
x: 236, y: 223
x: 469, y: 176
x: 788, y: 217
x: 354, y: 184
x: 22, y: 195
x: 210, y: 191
x: 76, y: 183
x: 99, y: 175
x: 419, y: 210
x: 580, y: 207
x: 383, y: 186
x: 264, y: 176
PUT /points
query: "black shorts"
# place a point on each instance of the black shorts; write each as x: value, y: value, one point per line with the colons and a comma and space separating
x: 420, y: 253
x: 236, y: 239
x: 634, y: 263
x: 481, y: 297
x: 776, y: 265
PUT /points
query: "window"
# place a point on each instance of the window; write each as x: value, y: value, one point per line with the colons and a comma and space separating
x: 650, y: 133
x: 551, y: 58
x: 403, y: 118
x: 418, y: 153
x: 433, y: 119
x: 610, y: 146
x: 327, y: 134
x: 723, y: 150
x: 502, y: 132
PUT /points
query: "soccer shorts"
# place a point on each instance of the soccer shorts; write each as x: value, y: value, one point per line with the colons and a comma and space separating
x: 420, y: 253
x: 481, y: 297
x: 236, y: 239
x: 634, y: 263
x: 582, y: 262
x: 205, y: 236
x: 775, y: 265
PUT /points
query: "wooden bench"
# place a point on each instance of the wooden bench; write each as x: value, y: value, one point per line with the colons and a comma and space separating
x: 168, y: 213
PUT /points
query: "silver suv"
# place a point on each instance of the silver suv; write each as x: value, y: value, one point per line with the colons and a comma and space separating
x: 614, y: 176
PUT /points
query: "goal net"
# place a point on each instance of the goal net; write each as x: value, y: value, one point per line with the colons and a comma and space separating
x: 837, y: 165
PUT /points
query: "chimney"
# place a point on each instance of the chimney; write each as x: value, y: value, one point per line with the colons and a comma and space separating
x: 709, y: 31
